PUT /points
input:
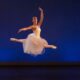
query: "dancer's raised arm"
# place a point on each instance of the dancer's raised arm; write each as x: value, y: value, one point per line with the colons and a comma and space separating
x: 41, y: 16
x: 24, y: 29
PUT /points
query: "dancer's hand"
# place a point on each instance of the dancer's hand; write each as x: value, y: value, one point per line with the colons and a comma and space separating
x: 40, y: 9
x: 20, y: 30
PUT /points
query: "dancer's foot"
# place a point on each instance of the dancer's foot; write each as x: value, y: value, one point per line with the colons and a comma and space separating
x: 13, y: 39
x: 54, y: 47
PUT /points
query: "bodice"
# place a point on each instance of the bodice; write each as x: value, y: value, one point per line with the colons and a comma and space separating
x: 37, y: 31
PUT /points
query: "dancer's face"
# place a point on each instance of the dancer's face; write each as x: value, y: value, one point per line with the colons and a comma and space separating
x: 34, y: 20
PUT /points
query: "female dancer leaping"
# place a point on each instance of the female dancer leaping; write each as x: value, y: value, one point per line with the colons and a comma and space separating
x: 34, y: 43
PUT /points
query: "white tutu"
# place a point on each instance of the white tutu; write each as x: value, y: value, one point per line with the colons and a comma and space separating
x: 33, y: 45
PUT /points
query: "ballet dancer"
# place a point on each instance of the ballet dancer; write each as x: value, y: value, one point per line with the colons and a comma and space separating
x: 34, y: 44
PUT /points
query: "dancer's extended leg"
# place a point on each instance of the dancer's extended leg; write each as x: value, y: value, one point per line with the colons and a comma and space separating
x: 50, y: 46
x: 16, y: 40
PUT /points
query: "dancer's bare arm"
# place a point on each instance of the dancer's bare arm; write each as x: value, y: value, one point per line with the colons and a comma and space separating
x: 41, y: 16
x: 24, y: 29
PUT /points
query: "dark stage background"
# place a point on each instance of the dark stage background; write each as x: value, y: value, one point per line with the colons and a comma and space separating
x: 61, y: 27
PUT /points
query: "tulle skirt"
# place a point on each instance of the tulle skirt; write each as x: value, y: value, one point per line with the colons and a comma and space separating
x: 33, y: 45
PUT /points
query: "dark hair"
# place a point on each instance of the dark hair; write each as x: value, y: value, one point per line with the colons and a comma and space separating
x: 34, y: 17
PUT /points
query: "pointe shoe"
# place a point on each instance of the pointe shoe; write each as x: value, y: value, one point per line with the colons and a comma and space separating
x: 12, y: 39
x: 54, y: 47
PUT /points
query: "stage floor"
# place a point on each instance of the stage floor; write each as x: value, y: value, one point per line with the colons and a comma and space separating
x: 39, y: 73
